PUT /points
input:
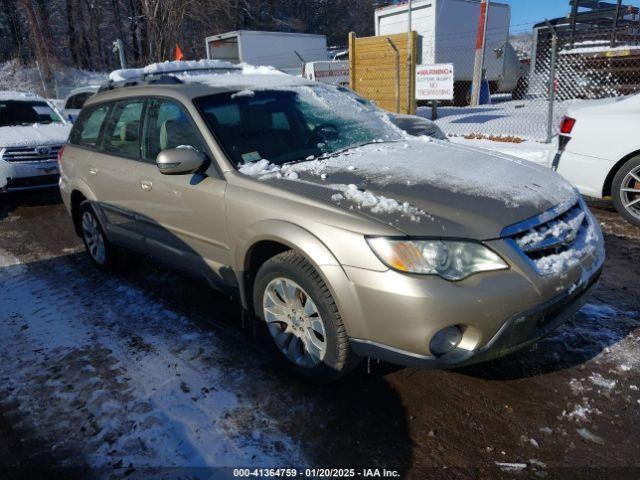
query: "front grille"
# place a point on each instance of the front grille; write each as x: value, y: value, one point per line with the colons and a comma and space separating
x: 32, y: 182
x: 41, y: 153
x: 554, y: 244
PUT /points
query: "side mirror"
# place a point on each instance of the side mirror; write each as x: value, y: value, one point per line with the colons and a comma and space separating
x: 179, y: 161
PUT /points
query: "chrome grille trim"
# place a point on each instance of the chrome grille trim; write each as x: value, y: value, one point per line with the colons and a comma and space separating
x: 38, y: 153
x: 562, y: 229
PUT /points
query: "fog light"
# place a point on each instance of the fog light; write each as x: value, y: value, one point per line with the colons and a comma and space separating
x: 445, y: 340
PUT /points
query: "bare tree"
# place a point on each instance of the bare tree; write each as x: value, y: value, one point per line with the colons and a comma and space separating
x: 163, y: 19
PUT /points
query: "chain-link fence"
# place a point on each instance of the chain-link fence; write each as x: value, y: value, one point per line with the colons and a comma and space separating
x: 528, y: 97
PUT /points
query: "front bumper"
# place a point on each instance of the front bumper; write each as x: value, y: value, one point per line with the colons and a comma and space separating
x: 22, y: 176
x: 499, y: 312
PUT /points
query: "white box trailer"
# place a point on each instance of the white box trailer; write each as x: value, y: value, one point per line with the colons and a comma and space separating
x: 447, y: 32
x: 285, y: 51
x: 333, y: 72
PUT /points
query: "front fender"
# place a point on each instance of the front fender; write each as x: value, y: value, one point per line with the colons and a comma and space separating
x: 310, y: 247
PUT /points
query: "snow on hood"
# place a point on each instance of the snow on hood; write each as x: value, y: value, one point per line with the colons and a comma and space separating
x: 451, y: 185
x: 37, y: 134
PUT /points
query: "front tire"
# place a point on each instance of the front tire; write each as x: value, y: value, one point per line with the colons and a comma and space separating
x: 95, y: 241
x: 302, y: 319
x: 626, y: 191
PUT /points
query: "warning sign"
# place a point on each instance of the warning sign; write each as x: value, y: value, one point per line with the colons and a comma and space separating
x: 434, y: 82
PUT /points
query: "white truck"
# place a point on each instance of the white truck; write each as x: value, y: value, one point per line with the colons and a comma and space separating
x: 285, y: 51
x: 447, y: 32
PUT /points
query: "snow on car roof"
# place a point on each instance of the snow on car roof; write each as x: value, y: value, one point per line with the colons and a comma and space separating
x: 178, y: 66
x: 10, y: 95
x: 213, y: 73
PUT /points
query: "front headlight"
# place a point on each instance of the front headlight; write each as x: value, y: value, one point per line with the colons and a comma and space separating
x: 451, y: 260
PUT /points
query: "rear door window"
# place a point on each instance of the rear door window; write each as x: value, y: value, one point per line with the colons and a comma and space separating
x: 168, y: 126
x: 86, y: 130
x: 122, y: 134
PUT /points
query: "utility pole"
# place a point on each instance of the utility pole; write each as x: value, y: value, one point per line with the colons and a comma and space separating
x: 409, y: 59
x: 481, y: 41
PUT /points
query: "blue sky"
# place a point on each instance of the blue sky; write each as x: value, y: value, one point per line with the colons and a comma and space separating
x: 534, y: 11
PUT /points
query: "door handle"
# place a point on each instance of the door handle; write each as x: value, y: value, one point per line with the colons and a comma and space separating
x: 146, y: 185
x: 93, y: 171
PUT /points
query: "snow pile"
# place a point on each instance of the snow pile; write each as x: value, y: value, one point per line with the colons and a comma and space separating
x: 259, y: 168
x: 16, y: 76
x: 599, y: 381
x: 376, y: 203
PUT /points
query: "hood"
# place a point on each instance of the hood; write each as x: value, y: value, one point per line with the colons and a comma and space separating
x: 430, y: 188
x: 37, y: 134
x: 631, y: 102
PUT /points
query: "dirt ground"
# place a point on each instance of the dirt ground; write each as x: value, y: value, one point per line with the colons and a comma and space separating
x: 567, y: 408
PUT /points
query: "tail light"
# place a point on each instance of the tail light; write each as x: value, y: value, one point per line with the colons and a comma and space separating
x: 566, y: 127
x: 60, y: 153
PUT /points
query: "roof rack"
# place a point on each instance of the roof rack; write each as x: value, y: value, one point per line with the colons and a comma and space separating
x: 158, y: 79
x: 187, y: 70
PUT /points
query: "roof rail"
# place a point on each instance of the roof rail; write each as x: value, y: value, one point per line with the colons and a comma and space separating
x: 187, y: 70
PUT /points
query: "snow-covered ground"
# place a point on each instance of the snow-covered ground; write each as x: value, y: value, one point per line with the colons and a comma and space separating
x: 126, y: 381
x: 526, y: 119
x: 15, y: 76
x: 531, y: 150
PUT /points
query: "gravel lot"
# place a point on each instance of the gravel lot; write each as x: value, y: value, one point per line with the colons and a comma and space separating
x: 149, y: 374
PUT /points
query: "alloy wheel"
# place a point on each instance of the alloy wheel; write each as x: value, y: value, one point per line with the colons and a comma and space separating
x: 93, y: 238
x: 630, y: 192
x: 294, y: 322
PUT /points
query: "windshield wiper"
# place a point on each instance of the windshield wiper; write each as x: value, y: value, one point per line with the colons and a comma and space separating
x: 346, y: 149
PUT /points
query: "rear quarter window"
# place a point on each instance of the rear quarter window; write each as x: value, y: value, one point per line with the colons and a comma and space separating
x: 86, y: 130
x: 76, y: 101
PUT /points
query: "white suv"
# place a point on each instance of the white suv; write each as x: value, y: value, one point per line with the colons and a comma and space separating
x: 31, y: 135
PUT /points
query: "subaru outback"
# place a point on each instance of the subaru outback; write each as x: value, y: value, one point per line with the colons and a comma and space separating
x: 346, y: 237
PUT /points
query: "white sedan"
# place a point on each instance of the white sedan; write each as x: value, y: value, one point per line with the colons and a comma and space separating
x: 599, y: 152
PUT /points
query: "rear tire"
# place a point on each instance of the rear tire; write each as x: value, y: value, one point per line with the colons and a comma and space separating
x: 625, y: 191
x: 98, y: 248
x: 302, y: 319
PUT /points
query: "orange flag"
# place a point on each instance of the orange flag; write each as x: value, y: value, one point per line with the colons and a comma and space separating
x: 179, y: 54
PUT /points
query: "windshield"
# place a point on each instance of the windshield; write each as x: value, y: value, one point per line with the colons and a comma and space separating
x: 292, y: 124
x: 19, y: 112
